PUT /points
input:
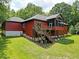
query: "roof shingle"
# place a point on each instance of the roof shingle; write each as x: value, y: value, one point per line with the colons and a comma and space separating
x: 37, y: 17
x: 15, y: 19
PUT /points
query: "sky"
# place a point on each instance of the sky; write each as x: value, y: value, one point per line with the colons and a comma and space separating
x: 45, y: 4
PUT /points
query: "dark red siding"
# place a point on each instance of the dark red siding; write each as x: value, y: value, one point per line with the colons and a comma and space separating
x: 44, y: 25
x: 60, y: 30
x: 13, y: 26
x: 28, y: 27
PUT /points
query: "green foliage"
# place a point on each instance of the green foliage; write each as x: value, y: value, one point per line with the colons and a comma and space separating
x: 64, y: 9
x: 11, y: 13
x: 29, y: 11
x: 22, y: 48
x: 69, y: 12
x: 5, y: 1
x: 72, y: 30
x: 3, y: 12
x: 77, y: 28
x: 3, y: 46
x: 75, y: 12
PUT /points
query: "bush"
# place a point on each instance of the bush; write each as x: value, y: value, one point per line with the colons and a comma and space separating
x: 77, y: 28
x: 72, y: 30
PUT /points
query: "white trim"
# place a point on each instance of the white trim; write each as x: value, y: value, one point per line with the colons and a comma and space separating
x: 12, y: 33
x: 50, y: 25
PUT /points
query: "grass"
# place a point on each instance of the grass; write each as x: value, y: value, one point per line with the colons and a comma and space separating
x: 22, y: 48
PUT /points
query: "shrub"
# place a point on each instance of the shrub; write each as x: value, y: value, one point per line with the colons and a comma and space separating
x: 77, y: 28
x: 72, y: 30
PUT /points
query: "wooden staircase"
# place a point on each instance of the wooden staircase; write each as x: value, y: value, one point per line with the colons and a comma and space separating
x: 42, y: 35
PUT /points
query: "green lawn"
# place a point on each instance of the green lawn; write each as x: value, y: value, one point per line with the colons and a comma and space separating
x: 22, y: 48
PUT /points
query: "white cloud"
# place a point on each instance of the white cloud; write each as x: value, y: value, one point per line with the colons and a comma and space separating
x: 45, y: 4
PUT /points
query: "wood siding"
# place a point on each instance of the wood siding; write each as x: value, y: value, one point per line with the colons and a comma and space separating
x: 13, y: 26
x: 28, y: 27
x: 44, y: 25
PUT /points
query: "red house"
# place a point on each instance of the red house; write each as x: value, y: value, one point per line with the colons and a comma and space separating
x: 38, y: 27
x: 13, y: 27
x: 54, y: 23
x: 29, y: 24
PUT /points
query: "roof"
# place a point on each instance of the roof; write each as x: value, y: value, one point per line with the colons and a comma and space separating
x: 42, y: 17
x: 53, y: 16
x: 37, y: 17
x: 15, y: 19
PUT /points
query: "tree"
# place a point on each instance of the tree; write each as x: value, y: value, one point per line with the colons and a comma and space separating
x: 29, y: 11
x: 3, y: 10
x: 11, y: 13
x: 75, y: 12
x: 64, y: 9
x: 3, y: 17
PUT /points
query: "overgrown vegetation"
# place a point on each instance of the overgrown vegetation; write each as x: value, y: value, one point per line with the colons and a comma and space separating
x: 72, y: 30
x: 77, y: 28
x: 3, y: 45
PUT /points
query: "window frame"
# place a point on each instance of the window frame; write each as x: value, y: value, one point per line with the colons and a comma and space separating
x: 50, y: 25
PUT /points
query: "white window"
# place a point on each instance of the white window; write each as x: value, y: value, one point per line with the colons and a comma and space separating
x: 50, y: 25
